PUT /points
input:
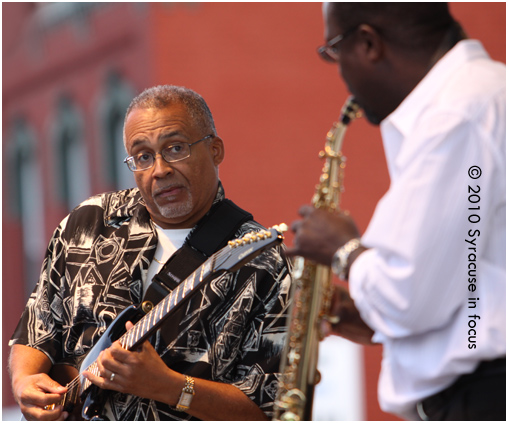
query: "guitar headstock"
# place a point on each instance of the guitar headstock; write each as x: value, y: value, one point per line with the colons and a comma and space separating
x: 255, y: 236
x: 241, y: 250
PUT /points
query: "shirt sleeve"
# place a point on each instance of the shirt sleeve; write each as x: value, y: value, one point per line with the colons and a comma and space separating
x: 257, y: 370
x: 40, y: 326
x: 415, y: 275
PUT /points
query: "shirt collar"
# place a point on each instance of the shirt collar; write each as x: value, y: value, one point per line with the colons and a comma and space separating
x: 402, y: 121
x: 404, y: 117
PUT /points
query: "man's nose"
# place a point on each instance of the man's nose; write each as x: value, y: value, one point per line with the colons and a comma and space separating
x: 160, y: 166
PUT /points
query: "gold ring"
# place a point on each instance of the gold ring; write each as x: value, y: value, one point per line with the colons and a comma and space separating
x: 49, y: 407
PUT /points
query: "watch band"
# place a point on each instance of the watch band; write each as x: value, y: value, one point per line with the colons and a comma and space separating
x: 187, y: 394
x: 340, y: 259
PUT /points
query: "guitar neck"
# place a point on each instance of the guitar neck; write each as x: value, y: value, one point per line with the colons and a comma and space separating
x: 153, y: 319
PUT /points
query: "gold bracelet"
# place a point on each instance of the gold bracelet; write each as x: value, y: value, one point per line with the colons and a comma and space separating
x: 187, y: 394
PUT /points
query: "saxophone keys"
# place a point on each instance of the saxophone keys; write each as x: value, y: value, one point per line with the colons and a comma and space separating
x: 317, y: 377
x: 289, y: 416
x: 293, y: 356
x: 334, y: 320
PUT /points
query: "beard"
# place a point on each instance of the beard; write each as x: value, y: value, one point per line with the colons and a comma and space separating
x: 172, y: 206
x: 372, y: 117
x: 368, y: 113
x: 171, y: 211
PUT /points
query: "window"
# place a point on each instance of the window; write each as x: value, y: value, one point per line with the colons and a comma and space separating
x: 117, y: 97
x: 26, y: 198
x: 71, y: 161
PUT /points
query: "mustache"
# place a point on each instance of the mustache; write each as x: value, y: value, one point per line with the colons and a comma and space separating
x: 165, y: 188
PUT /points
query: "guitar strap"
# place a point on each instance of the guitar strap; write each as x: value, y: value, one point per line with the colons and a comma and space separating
x: 211, y: 234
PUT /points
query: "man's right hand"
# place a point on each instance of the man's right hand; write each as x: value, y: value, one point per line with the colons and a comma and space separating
x: 35, y: 392
x: 33, y: 389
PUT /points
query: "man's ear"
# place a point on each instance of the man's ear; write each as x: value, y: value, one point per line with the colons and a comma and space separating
x: 372, y: 45
x: 217, y: 150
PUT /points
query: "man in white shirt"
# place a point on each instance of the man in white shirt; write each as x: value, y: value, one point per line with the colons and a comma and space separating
x: 428, y: 277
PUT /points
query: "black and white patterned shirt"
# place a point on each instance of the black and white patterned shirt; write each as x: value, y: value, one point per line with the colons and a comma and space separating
x: 232, y: 331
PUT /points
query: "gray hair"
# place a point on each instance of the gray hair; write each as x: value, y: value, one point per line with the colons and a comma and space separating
x: 162, y: 96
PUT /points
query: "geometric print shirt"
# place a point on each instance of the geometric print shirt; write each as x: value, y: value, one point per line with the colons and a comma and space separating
x: 232, y: 330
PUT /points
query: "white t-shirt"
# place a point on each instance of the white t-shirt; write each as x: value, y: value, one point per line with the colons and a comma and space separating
x: 170, y: 240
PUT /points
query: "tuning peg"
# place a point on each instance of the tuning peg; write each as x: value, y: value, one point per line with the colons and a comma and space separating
x: 235, y: 243
x: 249, y: 238
x: 281, y: 228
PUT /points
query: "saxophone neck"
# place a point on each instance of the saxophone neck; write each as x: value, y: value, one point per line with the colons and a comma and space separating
x: 350, y: 111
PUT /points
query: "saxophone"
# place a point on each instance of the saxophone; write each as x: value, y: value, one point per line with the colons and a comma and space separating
x: 312, y: 293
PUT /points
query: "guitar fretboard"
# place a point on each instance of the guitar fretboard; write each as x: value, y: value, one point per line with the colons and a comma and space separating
x: 152, y: 320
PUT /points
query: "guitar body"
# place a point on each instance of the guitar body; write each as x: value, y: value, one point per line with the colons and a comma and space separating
x: 63, y: 374
x: 93, y: 397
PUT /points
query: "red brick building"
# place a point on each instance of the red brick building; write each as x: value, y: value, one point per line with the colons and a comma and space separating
x: 71, y: 69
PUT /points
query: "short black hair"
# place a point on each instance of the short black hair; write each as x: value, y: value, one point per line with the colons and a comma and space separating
x: 407, y: 25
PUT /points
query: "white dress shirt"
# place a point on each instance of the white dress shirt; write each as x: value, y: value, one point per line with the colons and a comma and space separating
x: 412, y: 286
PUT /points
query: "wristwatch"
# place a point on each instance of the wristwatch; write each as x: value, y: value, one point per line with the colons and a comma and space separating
x: 340, y: 259
x: 187, y: 394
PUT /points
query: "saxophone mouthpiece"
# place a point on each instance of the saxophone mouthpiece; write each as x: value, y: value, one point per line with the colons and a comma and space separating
x: 350, y: 111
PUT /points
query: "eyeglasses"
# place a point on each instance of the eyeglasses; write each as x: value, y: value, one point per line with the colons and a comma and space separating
x: 330, y: 52
x: 172, y: 153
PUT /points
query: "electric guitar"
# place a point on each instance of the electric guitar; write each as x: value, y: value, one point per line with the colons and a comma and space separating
x: 148, y: 318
